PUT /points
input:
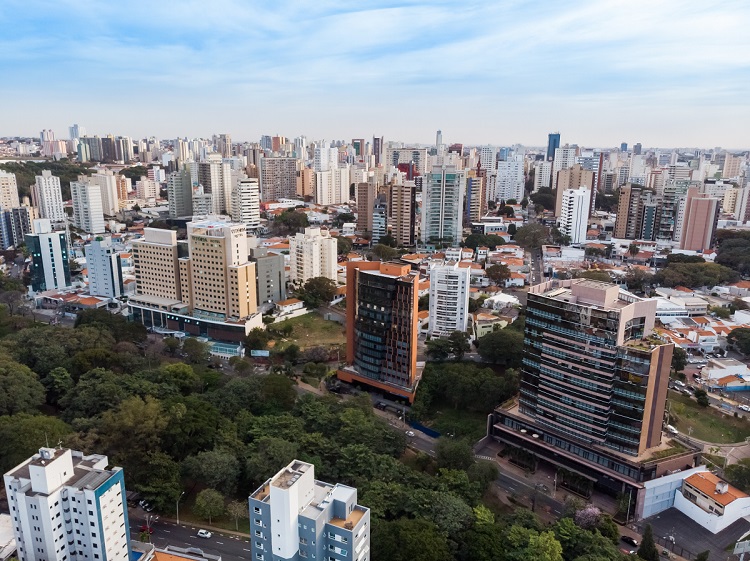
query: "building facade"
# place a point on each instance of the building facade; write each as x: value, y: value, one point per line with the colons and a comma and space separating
x: 294, y: 517
x: 105, y: 269
x: 48, y: 251
x: 574, y: 214
x: 46, y: 196
x: 246, y: 203
x: 8, y: 190
x: 107, y: 182
x: 402, y: 209
x: 449, y: 298
x: 87, y: 206
x: 278, y: 178
x: 67, y: 506
x: 443, y: 205
x: 180, y: 193
x: 700, y: 219
x: 270, y: 275
x: 312, y: 253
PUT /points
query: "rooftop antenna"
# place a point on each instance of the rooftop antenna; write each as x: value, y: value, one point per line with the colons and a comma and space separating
x: 59, y: 444
x: 46, y: 439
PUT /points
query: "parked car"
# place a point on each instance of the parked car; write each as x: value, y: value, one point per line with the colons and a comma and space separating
x: 745, y: 407
x: 671, y: 430
x: 410, y: 433
x: 679, y: 383
x: 629, y: 540
x: 204, y: 534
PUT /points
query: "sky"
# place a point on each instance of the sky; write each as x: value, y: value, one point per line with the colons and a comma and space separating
x: 664, y: 73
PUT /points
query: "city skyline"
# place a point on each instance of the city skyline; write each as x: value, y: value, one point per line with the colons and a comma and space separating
x: 659, y: 74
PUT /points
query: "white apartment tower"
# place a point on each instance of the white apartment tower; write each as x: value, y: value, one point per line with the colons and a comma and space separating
x: 46, y: 196
x: 574, y: 214
x: 87, y: 206
x: 216, y: 177
x: 48, y: 252
x: 449, y: 298
x: 442, y: 205
x: 105, y: 270
x: 107, y: 182
x: 332, y: 186
x: 510, y: 180
x: 564, y: 159
x: 246, y: 203
x: 312, y: 254
x: 68, y: 507
x: 8, y: 191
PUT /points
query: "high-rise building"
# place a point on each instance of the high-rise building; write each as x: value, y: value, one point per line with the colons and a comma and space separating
x: 488, y: 158
x: 277, y: 142
x: 246, y: 203
x: 542, y: 175
x: 278, y: 178
x: 377, y: 149
x: 629, y: 221
x: 402, y: 208
x: 46, y: 196
x: 305, y: 183
x: 294, y: 516
x: 270, y: 275
x: 574, y: 214
x: 637, y: 149
x: 442, y: 205
x: 332, y: 186
x: 224, y: 145
x: 593, y: 386
x: 699, y: 222
x: 8, y: 190
x: 553, y: 143
x: 155, y: 262
x: 381, y: 315
x: 416, y: 156
x: 624, y: 147
x: 180, y: 193
x: 42, y: 492
x: 15, y: 224
x: 76, y: 132
x: 107, y: 182
x: 449, y: 298
x: 732, y: 166
x: 510, y: 180
x: 312, y: 254
x: 366, y: 195
x: 379, y: 219
x: 146, y: 189
x: 104, y: 267
x: 564, y: 159
x: 214, y: 174
x: 359, y: 147
x: 573, y: 178
x: 90, y: 148
x: 48, y: 252
x: 87, y: 206
x: 476, y: 203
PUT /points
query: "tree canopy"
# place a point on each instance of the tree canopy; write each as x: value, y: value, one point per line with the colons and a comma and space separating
x: 318, y: 291
x: 532, y: 236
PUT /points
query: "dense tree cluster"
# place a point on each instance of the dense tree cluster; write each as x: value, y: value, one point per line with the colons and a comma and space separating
x: 695, y: 275
x: 734, y: 250
x: 66, y: 170
x: 481, y: 240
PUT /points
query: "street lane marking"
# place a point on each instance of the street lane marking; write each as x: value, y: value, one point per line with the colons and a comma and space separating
x: 243, y: 549
x: 220, y: 543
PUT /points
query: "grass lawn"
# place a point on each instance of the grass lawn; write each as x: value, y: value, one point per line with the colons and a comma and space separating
x: 311, y: 330
x: 707, y: 423
x: 463, y: 424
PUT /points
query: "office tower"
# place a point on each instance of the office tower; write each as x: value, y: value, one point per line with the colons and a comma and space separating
x: 359, y: 147
x: 76, y: 132
x: 402, y: 207
x: 214, y: 174
x: 510, y: 180
x: 553, y: 143
x: 155, y: 262
x: 650, y: 212
x: 476, y: 201
x: 416, y: 156
x: 593, y: 387
x: 224, y: 145
x: 449, y: 298
x: 46, y: 196
x: 332, y: 186
x: 488, y: 158
x: 270, y: 283
x: 442, y: 205
x: 564, y: 159
x: 107, y: 182
x: 105, y: 269
x: 379, y: 219
x: 312, y: 254
x: 574, y: 214
x: 180, y: 193
x: 637, y: 149
x: 573, y: 178
x: 305, y: 183
x: 49, y: 257
x: 377, y: 149
x: 366, y: 194
x: 90, y: 147
x: 699, y: 222
x: 87, y: 206
x: 220, y: 279
x: 629, y: 220
x: 277, y: 142
x: 42, y: 492
x: 381, y: 315
x: 278, y: 178
x: 8, y: 190
x: 109, y: 152
x: 246, y: 203
x: 293, y: 516
x: 542, y: 175
x: 624, y: 147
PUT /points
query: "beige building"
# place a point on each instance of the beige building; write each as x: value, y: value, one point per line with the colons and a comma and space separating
x: 155, y: 263
x: 278, y: 178
x: 8, y: 191
x: 366, y: 194
x: 573, y: 178
x: 699, y: 222
x: 312, y: 254
x: 306, y: 183
x: 402, y: 207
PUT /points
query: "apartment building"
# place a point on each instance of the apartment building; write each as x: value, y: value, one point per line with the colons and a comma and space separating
x: 443, y: 205
x: 270, y: 276
x: 278, y: 178
x: 312, y: 253
x: 294, y: 517
x: 246, y: 203
x: 574, y: 214
x: 88, y: 213
x: 48, y: 252
x: 46, y: 196
x: 8, y: 190
x: 401, y: 207
x: 68, y: 507
x: 366, y: 195
x: 449, y: 298
x: 573, y: 178
x: 381, y: 313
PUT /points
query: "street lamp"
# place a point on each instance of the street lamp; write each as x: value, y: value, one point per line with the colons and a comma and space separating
x: 178, y: 507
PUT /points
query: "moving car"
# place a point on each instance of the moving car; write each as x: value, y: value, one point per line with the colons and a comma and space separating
x: 629, y: 540
x: 204, y: 534
x: 410, y: 433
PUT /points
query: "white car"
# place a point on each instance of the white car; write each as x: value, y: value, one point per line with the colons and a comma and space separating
x: 745, y: 407
x: 679, y: 383
x: 672, y: 430
x: 204, y: 534
x: 410, y: 433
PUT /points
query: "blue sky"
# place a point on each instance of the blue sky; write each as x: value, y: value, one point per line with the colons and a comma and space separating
x: 664, y: 73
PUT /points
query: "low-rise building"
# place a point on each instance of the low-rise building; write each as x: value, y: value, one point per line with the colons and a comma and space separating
x: 711, y: 501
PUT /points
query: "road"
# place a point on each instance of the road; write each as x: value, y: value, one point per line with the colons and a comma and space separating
x: 185, y: 535
x: 514, y: 486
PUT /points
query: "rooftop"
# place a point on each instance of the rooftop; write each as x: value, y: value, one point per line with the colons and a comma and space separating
x: 709, y: 484
x: 352, y: 520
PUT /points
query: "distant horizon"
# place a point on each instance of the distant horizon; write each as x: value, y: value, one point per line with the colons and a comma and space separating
x: 666, y: 74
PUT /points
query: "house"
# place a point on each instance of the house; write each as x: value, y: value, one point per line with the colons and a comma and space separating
x: 711, y: 502
x: 482, y: 324
x: 482, y: 253
x: 516, y: 280
x: 284, y: 307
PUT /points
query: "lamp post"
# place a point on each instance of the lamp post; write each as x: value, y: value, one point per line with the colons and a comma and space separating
x: 177, y: 504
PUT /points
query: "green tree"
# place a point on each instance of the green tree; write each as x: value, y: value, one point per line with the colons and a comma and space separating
x: 343, y: 245
x: 679, y: 359
x: 702, y: 398
x: 257, y: 339
x: 268, y: 453
x: 384, y: 252
x: 504, y: 346
x: 633, y: 250
x: 237, y: 510
x: 172, y: 345
x: 318, y: 291
x: 292, y: 221
x: 703, y: 556
x: 459, y: 344
x: 481, y: 240
x: 409, y: 540
x: 532, y: 236
x: 512, y: 229
x: 197, y: 352
x: 424, y: 303
x: 20, y: 389
x: 439, y: 349
x: 544, y: 547
x: 58, y: 382
x: 160, y: 480
x: 648, y: 550
x: 498, y: 273
x: 209, y: 504
x: 637, y: 279
x: 454, y: 453
x: 544, y: 197
x: 21, y: 436
x: 217, y: 469
x: 593, y: 274
x: 388, y: 240
x: 739, y: 474
x: 740, y: 339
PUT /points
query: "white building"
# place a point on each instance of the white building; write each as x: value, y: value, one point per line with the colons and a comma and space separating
x: 488, y: 158
x: 8, y: 190
x: 293, y: 516
x: 246, y: 203
x: 87, y: 207
x: 542, y: 175
x: 564, y: 159
x: 332, y: 186
x: 574, y: 214
x: 105, y: 271
x: 202, y: 202
x: 442, y: 205
x: 312, y: 254
x: 325, y: 157
x: 46, y: 196
x: 146, y: 189
x: 48, y: 252
x: 510, y: 180
x: 107, y: 182
x: 216, y: 177
x: 68, y: 507
x: 449, y: 298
